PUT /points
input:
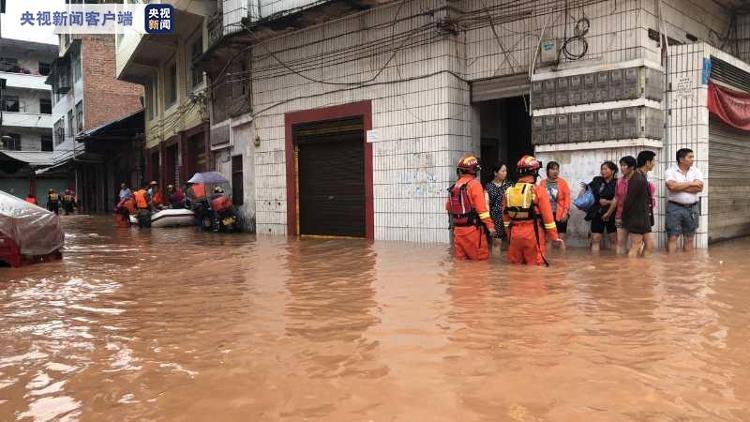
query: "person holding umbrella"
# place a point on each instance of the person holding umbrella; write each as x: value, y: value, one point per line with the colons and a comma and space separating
x: 198, y: 195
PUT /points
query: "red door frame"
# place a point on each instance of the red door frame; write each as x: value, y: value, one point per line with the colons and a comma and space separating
x: 364, y: 109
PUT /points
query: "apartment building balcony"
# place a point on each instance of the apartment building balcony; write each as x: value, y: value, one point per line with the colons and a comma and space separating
x: 138, y: 54
x: 27, y: 120
x: 229, y: 28
x: 24, y: 80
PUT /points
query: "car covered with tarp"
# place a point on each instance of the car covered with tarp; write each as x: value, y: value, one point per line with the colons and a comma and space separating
x: 28, y: 233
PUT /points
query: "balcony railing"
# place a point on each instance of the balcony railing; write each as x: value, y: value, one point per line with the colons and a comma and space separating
x: 25, y: 81
x: 27, y: 120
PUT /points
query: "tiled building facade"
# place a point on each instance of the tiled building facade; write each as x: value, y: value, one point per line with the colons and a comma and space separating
x: 437, y: 78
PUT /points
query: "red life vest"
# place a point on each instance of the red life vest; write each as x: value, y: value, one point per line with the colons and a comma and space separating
x: 199, y: 191
x: 221, y: 203
x: 462, y: 212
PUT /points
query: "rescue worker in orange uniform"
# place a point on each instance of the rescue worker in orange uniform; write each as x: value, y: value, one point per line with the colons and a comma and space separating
x: 142, y: 203
x: 141, y: 199
x: 469, y: 213
x: 527, y: 215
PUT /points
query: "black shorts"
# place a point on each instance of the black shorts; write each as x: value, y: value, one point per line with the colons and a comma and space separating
x: 562, y: 227
x: 598, y: 225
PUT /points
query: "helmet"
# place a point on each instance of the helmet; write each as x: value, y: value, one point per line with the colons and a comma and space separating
x: 528, y: 165
x: 469, y: 164
x: 218, y: 189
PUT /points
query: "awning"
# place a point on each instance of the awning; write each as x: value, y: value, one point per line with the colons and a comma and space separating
x: 12, y: 161
x: 126, y: 127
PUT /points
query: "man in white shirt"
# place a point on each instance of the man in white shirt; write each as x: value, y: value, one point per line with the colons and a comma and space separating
x: 684, y: 183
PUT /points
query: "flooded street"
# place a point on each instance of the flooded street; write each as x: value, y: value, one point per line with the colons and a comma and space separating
x: 171, y: 324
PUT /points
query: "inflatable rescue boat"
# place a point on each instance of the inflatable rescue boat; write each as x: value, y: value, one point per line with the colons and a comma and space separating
x: 169, y: 218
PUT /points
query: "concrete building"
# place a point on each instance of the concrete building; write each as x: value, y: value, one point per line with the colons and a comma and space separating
x: 176, y: 122
x: 26, y: 122
x: 86, y: 95
x: 349, y: 117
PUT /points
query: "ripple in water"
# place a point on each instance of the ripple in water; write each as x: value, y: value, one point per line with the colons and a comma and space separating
x: 176, y: 324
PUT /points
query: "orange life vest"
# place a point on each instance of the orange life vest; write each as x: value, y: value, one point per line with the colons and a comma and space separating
x: 140, y: 199
x: 157, y: 198
x: 31, y: 200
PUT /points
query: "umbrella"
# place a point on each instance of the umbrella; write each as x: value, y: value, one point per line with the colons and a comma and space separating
x: 208, y: 177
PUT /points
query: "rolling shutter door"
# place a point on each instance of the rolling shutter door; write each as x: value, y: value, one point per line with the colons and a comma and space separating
x: 729, y: 193
x: 331, y: 157
x: 502, y: 87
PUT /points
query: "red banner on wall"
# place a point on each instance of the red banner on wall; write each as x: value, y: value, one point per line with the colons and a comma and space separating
x: 732, y: 107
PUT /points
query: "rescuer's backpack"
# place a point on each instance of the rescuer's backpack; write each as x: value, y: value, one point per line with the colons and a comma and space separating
x: 461, y: 211
x: 520, y: 201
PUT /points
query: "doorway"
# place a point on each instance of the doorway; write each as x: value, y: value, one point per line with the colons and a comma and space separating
x: 505, y: 134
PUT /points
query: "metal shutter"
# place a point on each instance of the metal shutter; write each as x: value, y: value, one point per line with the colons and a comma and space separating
x: 728, y: 190
x: 331, y: 162
x: 502, y: 87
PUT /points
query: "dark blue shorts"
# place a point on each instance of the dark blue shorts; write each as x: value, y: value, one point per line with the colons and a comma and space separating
x: 682, y: 220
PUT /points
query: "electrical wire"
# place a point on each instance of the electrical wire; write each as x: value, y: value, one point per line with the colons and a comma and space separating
x: 579, y: 37
x: 289, y: 68
x: 491, y: 16
x: 497, y: 38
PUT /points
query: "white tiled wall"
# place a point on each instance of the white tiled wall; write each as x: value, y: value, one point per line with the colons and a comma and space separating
x: 423, y: 124
x: 687, y: 124
x: 421, y: 111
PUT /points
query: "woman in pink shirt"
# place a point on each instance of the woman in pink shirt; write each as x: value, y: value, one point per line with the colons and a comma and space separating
x: 627, y: 167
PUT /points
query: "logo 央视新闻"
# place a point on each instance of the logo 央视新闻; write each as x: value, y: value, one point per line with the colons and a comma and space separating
x: 159, y: 19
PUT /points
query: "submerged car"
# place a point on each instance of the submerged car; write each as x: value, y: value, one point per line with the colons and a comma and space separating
x: 28, y: 233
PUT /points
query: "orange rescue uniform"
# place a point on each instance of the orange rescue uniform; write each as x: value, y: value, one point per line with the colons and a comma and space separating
x: 469, y: 242
x: 140, y: 199
x: 525, y: 247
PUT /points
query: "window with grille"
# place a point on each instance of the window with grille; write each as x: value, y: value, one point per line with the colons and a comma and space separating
x: 71, y: 124
x: 79, y: 116
x: 77, y: 67
x: 59, y: 132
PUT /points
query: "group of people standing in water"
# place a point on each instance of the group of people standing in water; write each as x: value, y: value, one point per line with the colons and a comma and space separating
x: 530, y: 212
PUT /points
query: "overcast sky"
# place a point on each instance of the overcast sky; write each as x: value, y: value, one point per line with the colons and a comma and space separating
x: 11, y: 27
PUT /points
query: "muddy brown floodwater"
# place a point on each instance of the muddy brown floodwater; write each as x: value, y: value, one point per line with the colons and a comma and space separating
x: 171, y: 324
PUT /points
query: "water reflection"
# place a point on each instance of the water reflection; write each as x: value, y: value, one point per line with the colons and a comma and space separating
x: 176, y: 324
